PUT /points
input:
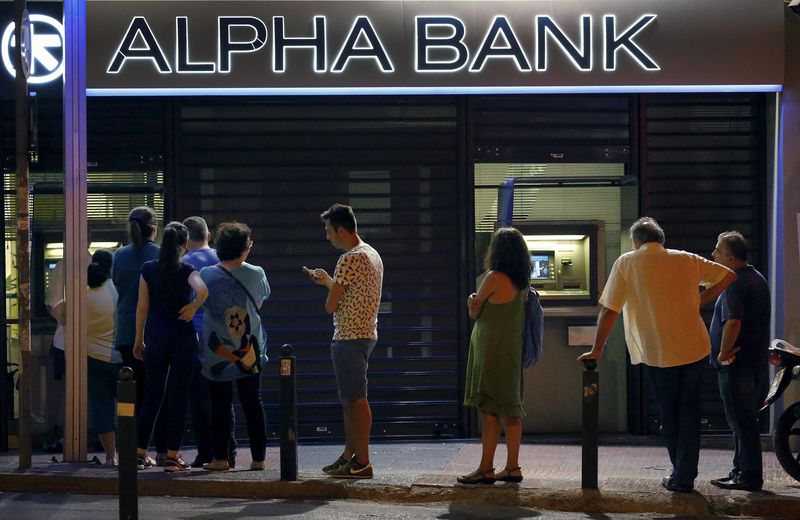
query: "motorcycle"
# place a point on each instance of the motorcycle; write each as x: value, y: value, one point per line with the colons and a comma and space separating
x: 786, y: 437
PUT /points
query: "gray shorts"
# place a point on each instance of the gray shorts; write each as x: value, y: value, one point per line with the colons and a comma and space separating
x: 350, y: 361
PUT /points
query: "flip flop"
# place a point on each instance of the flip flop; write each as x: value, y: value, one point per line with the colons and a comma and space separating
x: 477, y: 477
x: 506, y: 476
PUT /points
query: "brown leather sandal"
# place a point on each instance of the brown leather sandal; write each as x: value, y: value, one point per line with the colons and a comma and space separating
x: 506, y: 476
x: 477, y: 477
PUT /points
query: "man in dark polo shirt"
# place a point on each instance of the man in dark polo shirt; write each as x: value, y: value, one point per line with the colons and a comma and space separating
x: 739, y: 341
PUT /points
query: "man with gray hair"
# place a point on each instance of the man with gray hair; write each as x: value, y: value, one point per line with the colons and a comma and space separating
x: 658, y: 290
x: 199, y: 255
x: 739, y: 342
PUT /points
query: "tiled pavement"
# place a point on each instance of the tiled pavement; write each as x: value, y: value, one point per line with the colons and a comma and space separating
x: 629, y: 479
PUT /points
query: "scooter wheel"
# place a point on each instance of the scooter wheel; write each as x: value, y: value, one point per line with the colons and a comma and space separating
x: 787, y: 435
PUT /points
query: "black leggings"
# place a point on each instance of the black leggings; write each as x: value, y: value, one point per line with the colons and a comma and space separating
x: 249, y: 389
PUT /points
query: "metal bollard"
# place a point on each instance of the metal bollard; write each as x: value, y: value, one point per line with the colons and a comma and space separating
x: 591, y: 401
x: 126, y: 435
x: 288, y: 414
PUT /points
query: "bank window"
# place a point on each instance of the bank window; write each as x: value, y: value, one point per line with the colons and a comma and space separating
x: 570, y: 215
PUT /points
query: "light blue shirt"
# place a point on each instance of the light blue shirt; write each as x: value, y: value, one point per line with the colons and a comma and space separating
x: 231, y: 323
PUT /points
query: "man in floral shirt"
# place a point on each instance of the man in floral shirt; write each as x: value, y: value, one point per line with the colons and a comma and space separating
x: 354, y: 295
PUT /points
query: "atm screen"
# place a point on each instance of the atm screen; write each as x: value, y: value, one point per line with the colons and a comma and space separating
x: 49, y: 266
x: 543, y: 265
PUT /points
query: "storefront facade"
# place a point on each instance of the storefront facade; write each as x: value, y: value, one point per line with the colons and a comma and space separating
x: 414, y: 113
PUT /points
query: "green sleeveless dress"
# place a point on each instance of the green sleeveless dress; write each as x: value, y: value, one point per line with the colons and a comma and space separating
x: 494, y: 366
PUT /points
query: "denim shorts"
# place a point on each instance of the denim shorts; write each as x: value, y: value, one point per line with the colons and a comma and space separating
x: 350, y: 361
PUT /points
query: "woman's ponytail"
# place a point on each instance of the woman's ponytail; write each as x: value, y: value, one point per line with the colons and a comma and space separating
x: 141, y: 225
x: 172, y: 244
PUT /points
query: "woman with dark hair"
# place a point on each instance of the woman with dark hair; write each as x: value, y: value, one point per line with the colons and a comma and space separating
x: 233, y: 346
x: 125, y: 272
x: 104, y: 361
x: 167, y: 343
x: 494, y: 366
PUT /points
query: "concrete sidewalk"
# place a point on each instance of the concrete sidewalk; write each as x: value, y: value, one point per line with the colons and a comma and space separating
x: 418, y: 472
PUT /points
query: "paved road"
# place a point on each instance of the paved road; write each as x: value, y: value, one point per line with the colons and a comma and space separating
x: 82, y: 507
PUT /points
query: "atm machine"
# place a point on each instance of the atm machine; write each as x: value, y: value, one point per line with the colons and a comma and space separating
x: 568, y: 266
x: 48, y: 250
x: 565, y: 259
x: 569, y: 250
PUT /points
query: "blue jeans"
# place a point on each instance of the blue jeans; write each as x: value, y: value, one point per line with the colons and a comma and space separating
x: 743, y: 389
x: 677, y: 390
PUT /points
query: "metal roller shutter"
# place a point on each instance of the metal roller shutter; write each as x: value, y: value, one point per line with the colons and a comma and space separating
x: 276, y: 164
x: 704, y: 172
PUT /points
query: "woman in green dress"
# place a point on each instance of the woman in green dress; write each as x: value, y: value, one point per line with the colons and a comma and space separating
x: 494, y: 368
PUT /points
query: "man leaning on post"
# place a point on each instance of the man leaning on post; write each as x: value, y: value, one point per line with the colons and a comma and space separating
x: 657, y: 289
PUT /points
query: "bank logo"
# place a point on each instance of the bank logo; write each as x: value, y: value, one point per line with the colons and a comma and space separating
x: 47, y: 49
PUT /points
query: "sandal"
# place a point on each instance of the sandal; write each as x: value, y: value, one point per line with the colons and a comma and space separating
x: 506, y: 475
x: 477, y: 477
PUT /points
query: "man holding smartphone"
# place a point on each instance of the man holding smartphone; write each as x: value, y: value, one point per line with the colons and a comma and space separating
x: 354, y: 295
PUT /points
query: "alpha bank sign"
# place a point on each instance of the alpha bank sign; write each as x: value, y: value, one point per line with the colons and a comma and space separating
x: 432, y: 34
x: 395, y: 46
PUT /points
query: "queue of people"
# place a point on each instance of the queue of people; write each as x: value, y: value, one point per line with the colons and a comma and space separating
x: 186, y: 318
x: 657, y: 290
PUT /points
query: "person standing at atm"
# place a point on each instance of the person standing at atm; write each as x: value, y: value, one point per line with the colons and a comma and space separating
x: 103, y: 362
x: 494, y: 366
x: 657, y: 288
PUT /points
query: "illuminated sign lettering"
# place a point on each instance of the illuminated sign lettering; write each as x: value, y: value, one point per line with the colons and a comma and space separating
x: 425, y: 43
x: 375, y: 50
x: 581, y: 58
x: 625, y: 41
x: 47, y: 44
x: 182, y: 50
x: 283, y: 42
x: 439, y: 41
x: 452, y: 32
x: 227, y: 46
x: 512, y: 49
x: 139, y: 43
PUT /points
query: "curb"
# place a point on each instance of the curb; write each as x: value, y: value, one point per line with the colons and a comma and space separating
x: 590, y: 501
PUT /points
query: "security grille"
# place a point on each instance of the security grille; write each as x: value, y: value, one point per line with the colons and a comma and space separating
x: 276, y: 164
x: 704, y: 172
